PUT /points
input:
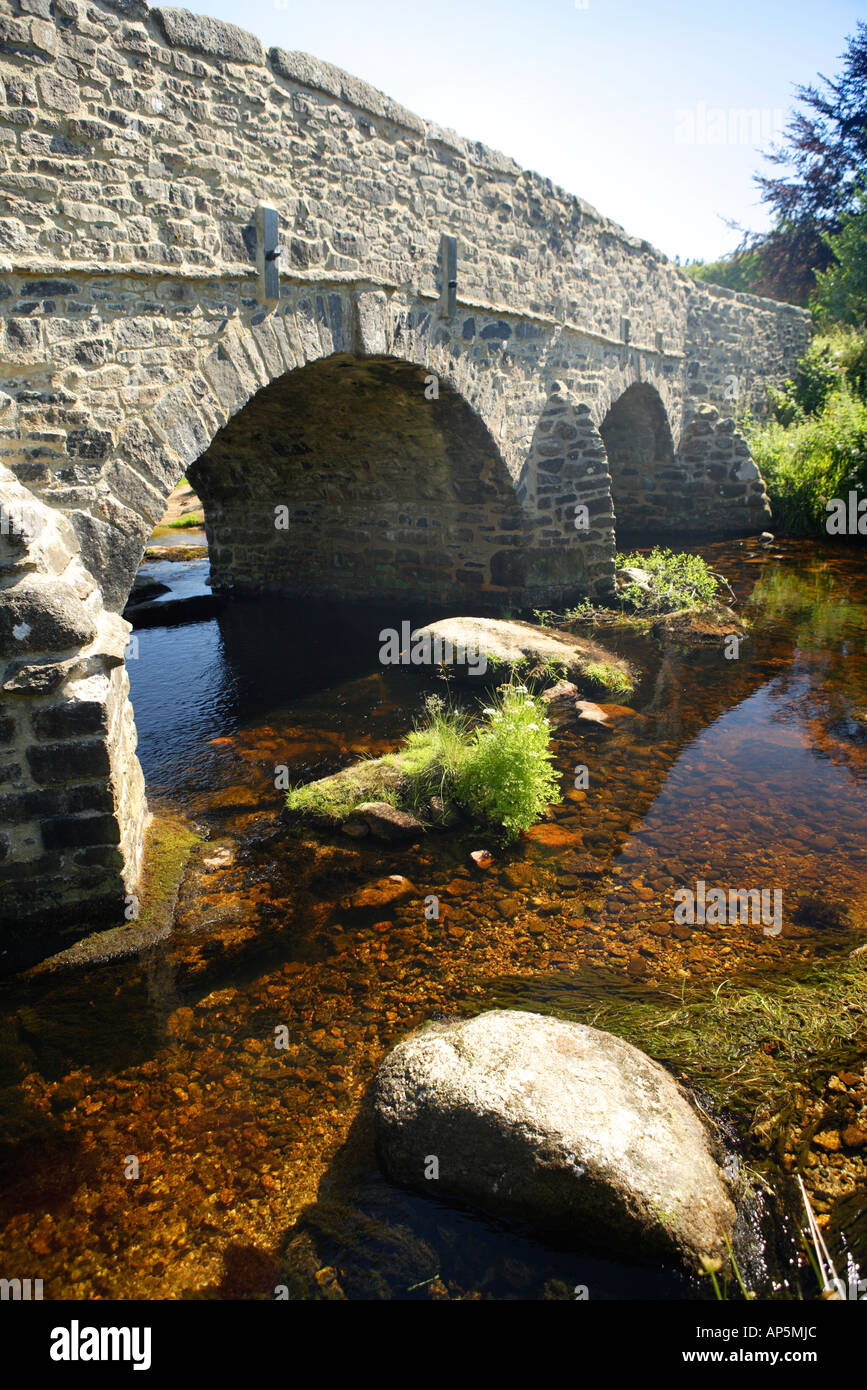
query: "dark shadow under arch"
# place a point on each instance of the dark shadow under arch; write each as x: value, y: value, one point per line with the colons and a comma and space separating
x: 357, y: 479
x: 641, y: 461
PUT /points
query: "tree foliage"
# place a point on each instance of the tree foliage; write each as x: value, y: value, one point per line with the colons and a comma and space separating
x: 813, y: 190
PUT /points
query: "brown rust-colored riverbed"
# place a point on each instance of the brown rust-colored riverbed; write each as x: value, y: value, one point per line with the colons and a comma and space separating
x: 254, y: 1163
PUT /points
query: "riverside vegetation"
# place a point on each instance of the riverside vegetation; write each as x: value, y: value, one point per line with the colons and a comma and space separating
x: 814, y: 445
x: 811, y: 443
x: 499, y: 770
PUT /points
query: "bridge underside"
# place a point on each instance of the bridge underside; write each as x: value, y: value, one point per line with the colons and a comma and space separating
x: 709, y: 486
x: 358, y: 479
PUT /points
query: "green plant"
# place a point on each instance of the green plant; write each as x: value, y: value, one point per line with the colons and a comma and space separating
x: 841, y: 290
x: 184, y: 523
x: 499, y: 771
x: 553, y: 669
x: 545, y: 617
x: 812, y: 459
x: 834, y: 360
x: 580, y: 613
x: 609, y: 677
x: 506, y: 776
x: 434, y: 750
x: 677, y: 580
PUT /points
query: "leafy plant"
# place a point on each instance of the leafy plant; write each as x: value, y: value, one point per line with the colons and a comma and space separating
x: 841, y: 290
x: 677, y: 580
x: 507, y: 776
x: 499, y: 771
x: 545, y: 617
x: 812, y: 459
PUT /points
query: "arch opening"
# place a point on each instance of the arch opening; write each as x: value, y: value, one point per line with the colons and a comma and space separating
x: 357, y: 479
x: 638, y: 442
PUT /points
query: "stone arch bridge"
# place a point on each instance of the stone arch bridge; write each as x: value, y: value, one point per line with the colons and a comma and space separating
x: 255, y: 268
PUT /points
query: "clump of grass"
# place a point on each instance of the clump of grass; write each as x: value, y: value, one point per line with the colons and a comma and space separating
x: 609, y: 677
x: 434, y: 750
x: 188, y: 522
x: 499, y: 771
x: 677, y: 580
x: 749, y: 1047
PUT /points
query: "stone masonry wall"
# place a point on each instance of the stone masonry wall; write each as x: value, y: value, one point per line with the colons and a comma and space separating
x: 135, y: 148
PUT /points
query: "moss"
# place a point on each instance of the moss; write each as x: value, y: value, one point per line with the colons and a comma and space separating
x: 168, y: 845
x: 609, y: 677
x: 331, y: 799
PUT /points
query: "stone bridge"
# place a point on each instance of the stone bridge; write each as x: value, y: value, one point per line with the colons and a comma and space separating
x: 393, y: 363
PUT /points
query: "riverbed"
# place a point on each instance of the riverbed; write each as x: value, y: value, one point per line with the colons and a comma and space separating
x: 158, y: 1144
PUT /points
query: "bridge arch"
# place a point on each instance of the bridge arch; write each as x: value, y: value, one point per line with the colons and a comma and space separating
x: 357, y: 478
x: 639, y: 447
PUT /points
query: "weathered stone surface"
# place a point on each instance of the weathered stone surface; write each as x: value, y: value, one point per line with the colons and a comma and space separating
x: 559, y: 1127
x: 114, y: 545
x: 386, y: 822
x: 214, y: 37
x: 313, y: 72
x: 42, y: 615
x: 505, y: 643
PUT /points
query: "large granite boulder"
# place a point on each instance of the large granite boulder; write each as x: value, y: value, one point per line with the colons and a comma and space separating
x: 565, y: 1129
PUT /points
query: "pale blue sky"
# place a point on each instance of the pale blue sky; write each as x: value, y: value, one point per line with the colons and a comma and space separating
x: 638, y: 107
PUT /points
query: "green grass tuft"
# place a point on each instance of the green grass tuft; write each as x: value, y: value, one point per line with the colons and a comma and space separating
x: 609, y: 677
x: 499, y: 771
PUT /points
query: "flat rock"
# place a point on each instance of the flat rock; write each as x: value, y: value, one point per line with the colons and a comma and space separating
x: 386, y: 822
x: 562, y: 1128
x: 591, y: 713
x: 382, y: 892
x: 708, y: 626
x: 506, y: 643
